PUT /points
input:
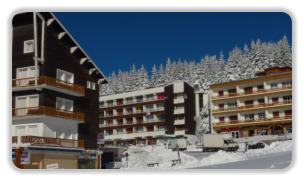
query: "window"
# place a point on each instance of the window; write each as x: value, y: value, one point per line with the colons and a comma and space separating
x: 150, y: 97
x: 27, y: 101
x: 249, y: 103
x: 273, y: 85
x: 276, y: 114
x: 248, y: 90
x: 275, y: 100
x: 222, y: 119
x: 20, y: 130
x: 287, y: 84
x: 139, y: 129
x: 232, y: 105
x: 149, y: 108
x: 91, y: 85
x: 262, y: 115
x: 64, y: 104
x: 65, y: 76
x: 150, y: 118
x: 249, y: 116
x: 232, y: 92
x: 33, y: 130
x: 233, y: 118
x: 287, y: 99
x: 261, y: 101
x: 28, y: 46
x: 161, y: 128
x: 26, y: 72
x: 120, y: 131
x: 260, y: 87
x: 221, y: 93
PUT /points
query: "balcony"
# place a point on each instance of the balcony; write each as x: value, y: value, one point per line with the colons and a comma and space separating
x: 49, y: 83
x: 131, y: 103
x: 178, y: 100
x: 261, y: 106
x: 46, y: 111
x: 179, y: 122
x: 50, y: 142
x: 255, y: 122
x: 259, y: 92
x: 179, y: 110
x: 129, y: 125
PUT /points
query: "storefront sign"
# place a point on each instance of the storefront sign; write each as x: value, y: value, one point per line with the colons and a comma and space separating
x: 25, y: 157
x: 87, y: 155
x: 52, y: 166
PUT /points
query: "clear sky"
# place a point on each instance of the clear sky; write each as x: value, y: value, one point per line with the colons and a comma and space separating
x: 117, y: 40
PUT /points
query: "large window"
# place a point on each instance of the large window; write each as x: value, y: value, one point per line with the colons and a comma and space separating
x: 27, y: 101
x: 65, y: 76
x: 26, y: 72
x: 64, y: 104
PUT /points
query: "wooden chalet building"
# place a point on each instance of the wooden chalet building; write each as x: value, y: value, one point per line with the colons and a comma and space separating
x: 55, y: 92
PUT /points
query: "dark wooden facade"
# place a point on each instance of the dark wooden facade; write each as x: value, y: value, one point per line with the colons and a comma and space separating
x: 189, y: 109
x: 58, y: 55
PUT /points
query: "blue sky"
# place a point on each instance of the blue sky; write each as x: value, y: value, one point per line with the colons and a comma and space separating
x: 117, y: 40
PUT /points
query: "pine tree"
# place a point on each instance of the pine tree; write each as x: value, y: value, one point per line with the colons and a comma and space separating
x: 154, y: 76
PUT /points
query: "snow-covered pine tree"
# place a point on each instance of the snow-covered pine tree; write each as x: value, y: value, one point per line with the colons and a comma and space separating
x: 143, y: 78
x: 154, y: 76
x: 233, y: 64
x: 283, y: 55
x: 161, y: 75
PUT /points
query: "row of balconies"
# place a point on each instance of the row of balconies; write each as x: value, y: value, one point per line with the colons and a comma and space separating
x: 130, y: 123
x: 251, y: 106
x: 110, y: 132
x: 47, y: 141
x: 251, y: 122
x: 21, y: 84
x: 47, y: 111
x: 129, y: 102
x: 112, y: 113
x: 236, y: 92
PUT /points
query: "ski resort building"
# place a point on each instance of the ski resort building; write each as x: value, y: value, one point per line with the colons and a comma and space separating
x: 55, y: 91
x: 258, y: 106
x: 147, y: 115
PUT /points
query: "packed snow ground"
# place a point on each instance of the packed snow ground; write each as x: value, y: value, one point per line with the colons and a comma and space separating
x: 140, y: 156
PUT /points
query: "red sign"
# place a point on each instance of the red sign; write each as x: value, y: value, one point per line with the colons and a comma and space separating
x: 126, y: 154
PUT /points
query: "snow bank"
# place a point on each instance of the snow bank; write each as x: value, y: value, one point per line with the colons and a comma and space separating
x: 139, y: 157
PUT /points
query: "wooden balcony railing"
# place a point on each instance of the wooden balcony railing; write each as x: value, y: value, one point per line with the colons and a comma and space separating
x: 14, y: 139
x: 252, y: 121
x: 49, y: 111
x: 251, y: 106
x: 51, y: 142
x: 45, y: 80
x: 251, y: 92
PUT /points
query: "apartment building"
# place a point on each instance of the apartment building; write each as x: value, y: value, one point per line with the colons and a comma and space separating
x: 258, y: 106
x: 55, y: 91
x: 153, y: 114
